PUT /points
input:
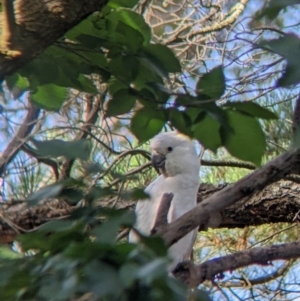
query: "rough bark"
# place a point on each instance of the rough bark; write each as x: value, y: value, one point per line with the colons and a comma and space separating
x: 278, y: 202
x: 39, y: 23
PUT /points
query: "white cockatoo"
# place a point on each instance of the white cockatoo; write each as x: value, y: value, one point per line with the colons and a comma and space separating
x: 175, y: 156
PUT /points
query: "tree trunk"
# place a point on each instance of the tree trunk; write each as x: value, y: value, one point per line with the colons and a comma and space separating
x: 38, y: 24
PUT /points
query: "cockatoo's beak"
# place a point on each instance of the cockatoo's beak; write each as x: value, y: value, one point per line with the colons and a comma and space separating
x: 158, y: 161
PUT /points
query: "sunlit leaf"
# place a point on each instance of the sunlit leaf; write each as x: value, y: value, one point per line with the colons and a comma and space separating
x: 126, y: 35
x: 132, y: 19
x: 49, y: 97
x: 17, y: 84
x: 122, y: 3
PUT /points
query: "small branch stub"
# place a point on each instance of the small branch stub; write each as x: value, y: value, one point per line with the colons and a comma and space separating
x: 162, y: 212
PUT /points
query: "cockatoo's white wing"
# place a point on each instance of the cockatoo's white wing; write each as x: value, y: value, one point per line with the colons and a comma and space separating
x: 184, y: 199
x: 146, y: 209
x: 175, y: 156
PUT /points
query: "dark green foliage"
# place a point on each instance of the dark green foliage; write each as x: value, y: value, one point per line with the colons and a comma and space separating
x: 56, y: 148
x: 286, y: 46
x: 247, y: 141
x: 274, y: 7
x: 69, y: 258
x: 117, y: 46
x: 212, y: 84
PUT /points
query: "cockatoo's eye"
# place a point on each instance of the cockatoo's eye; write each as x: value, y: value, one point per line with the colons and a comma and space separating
x: 170, y: 148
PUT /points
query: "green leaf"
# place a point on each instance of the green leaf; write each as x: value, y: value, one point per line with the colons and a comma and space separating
x: 128, y: 273
x: 42, y: 69
x: 107, y: 232
x: 86, y: 84
x: 154, y: 65
x: 247, y: 142
x: 47, y: 192
x: 102, y: 279
x: 90, y: 41
x: 154, y: 269
x: 180, y: 121
x: 121, y: 103
x: 184, y: 99
x: 274, y: 7
x: 286, y: 46
x: 6, y: 252
x: 122, y: 3
x: 85, y: 27
x: 124, y: 67
x: 146, y: 123
x: 290, y: 76
x: 114, y: 85
x: 49, y: 97
x: 70, y: 149
x: 164, y: 56
x: 146, y: 76
x: 128, y: 36
x: 132, y: 19
x: 212, y: 84
x: 207, y: 132
x: 251, y: 108
x: 17, y: 84
x: 216, y: 113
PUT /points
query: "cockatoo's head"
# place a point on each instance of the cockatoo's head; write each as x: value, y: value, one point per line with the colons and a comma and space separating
x: 174, y: 153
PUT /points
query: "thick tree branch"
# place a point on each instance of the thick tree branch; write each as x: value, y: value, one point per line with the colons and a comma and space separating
x: 256, y: 181
x: 276, y: 203
x: 40, y: 23
x: 208, y: 270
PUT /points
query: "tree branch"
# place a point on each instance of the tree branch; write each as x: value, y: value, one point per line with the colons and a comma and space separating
x: 256, y: 181
x: 208, y: 270
x: 280, y: 198
x: 18, y: 140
